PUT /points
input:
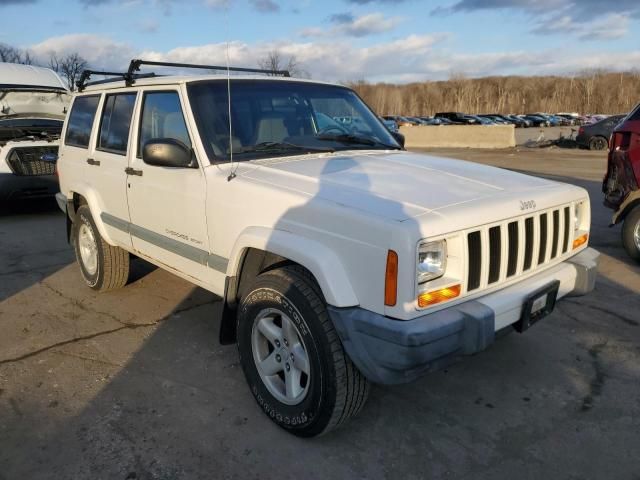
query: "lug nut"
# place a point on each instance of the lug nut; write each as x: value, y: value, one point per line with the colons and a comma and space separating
x: 291, y: 355
x: 286, y: 343
x: 287, y: 366
x: 278, y: 343
x: 278, y: 358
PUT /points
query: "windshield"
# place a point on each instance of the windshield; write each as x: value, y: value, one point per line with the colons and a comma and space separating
x: 276, y: 118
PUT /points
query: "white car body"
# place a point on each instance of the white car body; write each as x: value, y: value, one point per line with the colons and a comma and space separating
x: 338, y: 215
x: 29, y: 95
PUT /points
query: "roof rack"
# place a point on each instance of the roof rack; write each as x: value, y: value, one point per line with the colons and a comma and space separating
x: 130, y: 75
x: 83, y: 81
x: 135, y: 65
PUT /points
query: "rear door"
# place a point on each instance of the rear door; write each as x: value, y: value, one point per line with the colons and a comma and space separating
x: 109, y: 160
x: 167, y: 205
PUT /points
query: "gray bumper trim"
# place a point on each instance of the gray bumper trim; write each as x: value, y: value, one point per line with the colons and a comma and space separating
x: 390, y: 351
x: 586, y: 263
x: 61, y: 200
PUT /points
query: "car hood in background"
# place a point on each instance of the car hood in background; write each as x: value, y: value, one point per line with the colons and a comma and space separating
x: 394, y: 185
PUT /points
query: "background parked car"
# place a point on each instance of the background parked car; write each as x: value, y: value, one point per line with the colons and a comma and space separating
x: 596, y: 135
x: 457, y: 118
x: 537, y: 120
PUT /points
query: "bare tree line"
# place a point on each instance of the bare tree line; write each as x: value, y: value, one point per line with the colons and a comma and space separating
x: 589, y: 92
x: 69, y: 66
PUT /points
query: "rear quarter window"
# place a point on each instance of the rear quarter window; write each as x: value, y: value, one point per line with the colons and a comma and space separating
x: 81, y: 121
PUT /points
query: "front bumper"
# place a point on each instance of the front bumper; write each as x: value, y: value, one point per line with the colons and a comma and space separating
x: 390, y: 351
x: 37, y: 186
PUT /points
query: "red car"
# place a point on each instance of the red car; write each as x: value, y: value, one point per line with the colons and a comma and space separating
x: 620, y: 185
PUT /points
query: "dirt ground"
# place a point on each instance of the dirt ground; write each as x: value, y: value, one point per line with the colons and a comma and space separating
x: 133, y: 385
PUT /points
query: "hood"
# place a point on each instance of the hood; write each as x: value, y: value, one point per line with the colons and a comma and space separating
x: 393, y: 185
x: 26, y: 90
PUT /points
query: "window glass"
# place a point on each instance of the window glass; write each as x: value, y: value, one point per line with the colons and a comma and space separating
x: 116, y: 119
x: 271, y: 118
x: 81, y: 121
x: 162, y: 118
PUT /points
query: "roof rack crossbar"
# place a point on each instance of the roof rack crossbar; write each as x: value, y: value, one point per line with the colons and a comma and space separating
x: 83, y: 81
x: 135, y: 65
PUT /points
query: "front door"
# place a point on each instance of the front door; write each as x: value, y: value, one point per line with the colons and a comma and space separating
x: 167, y: 205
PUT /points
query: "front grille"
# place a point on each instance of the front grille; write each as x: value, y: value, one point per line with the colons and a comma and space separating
x: 27, y: 161
x: 524, y: 245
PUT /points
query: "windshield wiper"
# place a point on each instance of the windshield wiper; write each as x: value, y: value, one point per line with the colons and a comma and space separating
x: 280, y: 147
x: 350, y: 138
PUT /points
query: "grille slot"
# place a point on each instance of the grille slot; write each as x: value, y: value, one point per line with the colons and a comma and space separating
x: 475, y: 260
x: 543, y: 238
x: 495, y: 253
x: 565, y: 240
x: 528, y: 243
x: 512, y: 262
x: 556, y: 233
x: 27, y: 161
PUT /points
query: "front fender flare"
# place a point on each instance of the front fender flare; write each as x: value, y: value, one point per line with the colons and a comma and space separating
x: 316, y: 257
x: 625, y: 207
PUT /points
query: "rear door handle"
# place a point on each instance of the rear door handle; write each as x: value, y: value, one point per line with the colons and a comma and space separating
x: 133, y: 171
x: 91, y: 161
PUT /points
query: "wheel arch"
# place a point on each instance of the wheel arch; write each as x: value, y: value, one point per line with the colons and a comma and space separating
x: 260, y: 249
x: 632, y: 201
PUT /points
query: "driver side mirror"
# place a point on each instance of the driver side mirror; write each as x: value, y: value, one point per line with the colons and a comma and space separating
x: 168, y: 152
x: 398, y: 138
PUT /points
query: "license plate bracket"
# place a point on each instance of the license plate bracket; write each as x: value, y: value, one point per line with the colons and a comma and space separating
x: 537, y: 306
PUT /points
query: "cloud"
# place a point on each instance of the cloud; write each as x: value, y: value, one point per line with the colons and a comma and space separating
x: 407, y: 59
x: 265, y: 6
x: 560, y: 16
x: 346, y: 24
x: 149, y: 25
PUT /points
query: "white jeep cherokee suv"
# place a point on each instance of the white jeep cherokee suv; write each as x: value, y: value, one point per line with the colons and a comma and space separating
x: 341, y: 258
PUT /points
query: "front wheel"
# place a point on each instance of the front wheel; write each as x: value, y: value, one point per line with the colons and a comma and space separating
x: 631, y: 233
x: 291, y: 355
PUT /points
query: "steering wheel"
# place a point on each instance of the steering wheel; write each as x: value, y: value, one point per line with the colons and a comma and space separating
x: 331, y: 128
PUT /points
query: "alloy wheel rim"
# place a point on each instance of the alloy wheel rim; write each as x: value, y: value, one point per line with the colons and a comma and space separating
x: 88, y: 249
x: 636, y: 236
x: 280, y: 356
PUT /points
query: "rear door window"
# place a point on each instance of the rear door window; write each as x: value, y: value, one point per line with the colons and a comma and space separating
x: 115, y: 122
x: 81, y: 121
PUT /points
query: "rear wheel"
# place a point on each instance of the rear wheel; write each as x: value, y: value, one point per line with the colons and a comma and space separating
x: 103, y: 266
x: 292, y: 357
x: 631, y: 233
x: 598, y: 143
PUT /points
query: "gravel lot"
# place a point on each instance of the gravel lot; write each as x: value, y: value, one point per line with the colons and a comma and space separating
x: 133, y: 385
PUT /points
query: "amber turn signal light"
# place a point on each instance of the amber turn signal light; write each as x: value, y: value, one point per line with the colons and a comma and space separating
x: 391, y: 280
x: 581, y: 240
x: 437, y: 296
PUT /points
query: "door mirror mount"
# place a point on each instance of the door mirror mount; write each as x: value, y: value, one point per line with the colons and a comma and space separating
x: 398, y: 138
x: 168, y: 152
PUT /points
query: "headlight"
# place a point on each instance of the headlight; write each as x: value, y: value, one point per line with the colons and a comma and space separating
x: 432, y: 260
x: 577, y: 216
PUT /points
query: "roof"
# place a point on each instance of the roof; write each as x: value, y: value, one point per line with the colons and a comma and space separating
x: 181, y: 79
x: 28, y: 76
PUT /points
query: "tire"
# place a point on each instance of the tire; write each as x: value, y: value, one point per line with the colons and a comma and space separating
x: 103, y: 267
x: 332, y: 391
x: 598, y: 143
x: 631, y: 233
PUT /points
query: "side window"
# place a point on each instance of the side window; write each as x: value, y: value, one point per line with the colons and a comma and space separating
x: 162, y: 118
x: 81, y: 121
x: 115, y: 122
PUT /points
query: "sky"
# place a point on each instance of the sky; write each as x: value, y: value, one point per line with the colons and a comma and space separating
x: 338, y: 40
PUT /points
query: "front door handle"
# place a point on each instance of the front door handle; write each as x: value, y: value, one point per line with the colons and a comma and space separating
x: 91, y: 161
x: 133, y: 171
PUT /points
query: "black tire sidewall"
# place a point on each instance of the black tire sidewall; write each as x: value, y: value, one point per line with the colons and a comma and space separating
x: 83, y: 217
x: 309, y: 417
x: 596, y: 143
x: 630, y: 222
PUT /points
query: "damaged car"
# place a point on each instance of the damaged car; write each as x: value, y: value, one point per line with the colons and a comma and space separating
x: 620, y: 185
x: 33, y: 105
